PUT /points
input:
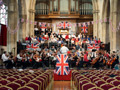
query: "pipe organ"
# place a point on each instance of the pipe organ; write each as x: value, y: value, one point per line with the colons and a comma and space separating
x: 79, y: 7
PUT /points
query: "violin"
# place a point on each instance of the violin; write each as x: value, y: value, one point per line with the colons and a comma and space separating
x: 24, y: 58
x: 37, y: 58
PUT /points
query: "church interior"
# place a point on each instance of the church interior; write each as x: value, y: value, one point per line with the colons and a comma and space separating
x: 59, y: 44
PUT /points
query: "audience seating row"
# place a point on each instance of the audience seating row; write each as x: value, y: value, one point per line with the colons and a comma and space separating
x: 26, y: 80
x: 95, y: 80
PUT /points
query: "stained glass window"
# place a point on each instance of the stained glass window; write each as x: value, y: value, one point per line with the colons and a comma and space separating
x: 3, y: 14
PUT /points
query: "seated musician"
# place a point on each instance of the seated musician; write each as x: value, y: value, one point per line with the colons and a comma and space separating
x: 114, y: 61
x: 38, y: 60
x: 46, y: 36
x: 99, y: 41
x: 95, y: 62
x: 101, y: 63
x: 24, y: 61
x: 7, y: 60
x: 19, y: 60
x: 74, y: 60
x: 29, y: 59
x: 67, y: 38
x: 12, y: 58
x: 86, y: 61
x: 98, y: 61
x: 54, y: 60
x: 73, y: 41
x: 69, y: 59
x: 79, y: 62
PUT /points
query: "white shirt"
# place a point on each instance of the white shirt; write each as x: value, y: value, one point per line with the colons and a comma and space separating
x: 79, y: 36
x: 36, y: 29
x: 93, y: 54
x: 63, y: 36
x: 53, y: 40
x: 34, y: 40
x: 54, y: 58
x: 19, y: 57
x: 73, y: 36
x: 4, y: 58
x: 64, y: 50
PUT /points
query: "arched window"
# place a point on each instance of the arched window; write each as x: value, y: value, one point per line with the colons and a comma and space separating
x: 3, y: 14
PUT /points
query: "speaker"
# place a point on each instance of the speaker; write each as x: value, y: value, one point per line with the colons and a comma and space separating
x: 107, y: 47
x: 20, y: 46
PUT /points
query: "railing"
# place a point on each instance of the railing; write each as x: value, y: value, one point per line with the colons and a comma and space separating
x: 86, y: 12
x: 42, y: 12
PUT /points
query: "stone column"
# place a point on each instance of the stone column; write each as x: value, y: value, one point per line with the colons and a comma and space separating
x: 12, y: 23
x: 105, y: 32
x: 95, y: 25
x: 31, y: 18
x: 113, y: 34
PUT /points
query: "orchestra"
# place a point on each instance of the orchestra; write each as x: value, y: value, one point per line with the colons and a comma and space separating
x: 79, y: 55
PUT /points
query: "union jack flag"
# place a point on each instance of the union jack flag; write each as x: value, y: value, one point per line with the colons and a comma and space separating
x: 62, y: 67
x: 43, y: 25
x: 33, y: 46
x: 93, y: 46
x: 84, y: 28
x: 64, y: 25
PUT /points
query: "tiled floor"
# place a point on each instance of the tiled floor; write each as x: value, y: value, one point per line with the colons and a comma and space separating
x: 61, y: 85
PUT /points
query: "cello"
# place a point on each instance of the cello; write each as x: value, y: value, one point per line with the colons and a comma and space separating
x: 112, y: 61
x: 95, y: 60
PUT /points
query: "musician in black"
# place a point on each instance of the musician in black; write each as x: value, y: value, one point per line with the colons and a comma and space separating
x: 115, y: 60
x: 80, y: 61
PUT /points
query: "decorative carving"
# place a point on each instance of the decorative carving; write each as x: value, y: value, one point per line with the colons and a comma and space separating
x: 31, y: 11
